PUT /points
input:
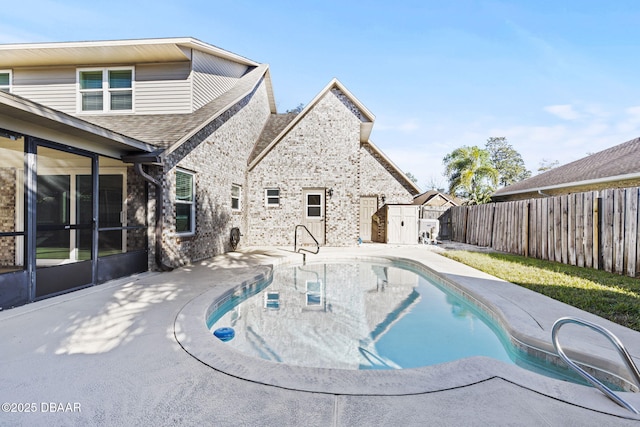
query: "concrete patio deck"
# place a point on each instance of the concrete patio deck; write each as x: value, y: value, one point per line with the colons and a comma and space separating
x: 118, y: 354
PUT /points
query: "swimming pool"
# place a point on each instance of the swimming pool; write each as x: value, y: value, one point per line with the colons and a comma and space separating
x: 364, y: 316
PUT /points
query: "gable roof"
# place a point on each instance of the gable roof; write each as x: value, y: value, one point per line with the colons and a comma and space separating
x: 110, y: 51
x: 391, y: 167
x: 620, y: 162
x: 423, y: 198
x: 365, y: 126
x: 169, y: 131
x: 274, y: 126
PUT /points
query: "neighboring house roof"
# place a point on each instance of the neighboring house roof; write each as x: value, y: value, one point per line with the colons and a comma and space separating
x: 425, y: 197
x: 31, y: 113
x: 617, y: 163
x: 168, y: 131
x: 110, y: 51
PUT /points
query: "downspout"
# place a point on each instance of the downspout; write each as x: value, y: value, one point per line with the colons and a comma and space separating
x: 543, y: 194
x: 159, y: 217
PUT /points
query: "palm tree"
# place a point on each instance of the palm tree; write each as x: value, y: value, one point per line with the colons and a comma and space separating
x: 471, y: 174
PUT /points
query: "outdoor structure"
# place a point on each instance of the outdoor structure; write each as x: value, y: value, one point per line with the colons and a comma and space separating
x: 433, y: 205
x: 121, y: 156
x: 615, y: 167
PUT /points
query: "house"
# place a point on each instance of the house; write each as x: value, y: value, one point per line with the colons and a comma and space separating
x: 434, y: 203
x: 433, y: 224
x: 615, y: 167
x: 121, y: 156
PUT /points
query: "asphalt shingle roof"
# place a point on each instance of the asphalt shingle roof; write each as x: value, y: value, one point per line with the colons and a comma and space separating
x: 164, y: 130
x: 275, y: 124
x: 620, y: 160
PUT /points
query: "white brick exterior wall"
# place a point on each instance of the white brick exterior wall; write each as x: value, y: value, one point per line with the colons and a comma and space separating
x: 322, y: 151
x: 218, y: 161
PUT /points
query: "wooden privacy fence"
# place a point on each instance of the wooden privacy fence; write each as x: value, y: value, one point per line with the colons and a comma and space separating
x: 597, y: 229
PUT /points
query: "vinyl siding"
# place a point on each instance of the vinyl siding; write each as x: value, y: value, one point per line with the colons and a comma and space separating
x: 163, y: 88
x: 53, y: 87
x: 212, y: 77
x: 158, y: 88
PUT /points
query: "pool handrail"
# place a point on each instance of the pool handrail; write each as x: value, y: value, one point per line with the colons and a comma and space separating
x: 295, y: 240
x: 590, y: 378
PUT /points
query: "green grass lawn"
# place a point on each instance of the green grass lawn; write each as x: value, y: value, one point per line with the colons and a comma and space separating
x: 607, y: 295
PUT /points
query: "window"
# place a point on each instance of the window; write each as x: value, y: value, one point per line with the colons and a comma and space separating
x: 236, y: 191
x: 314, y: 205
x: 185, y: 203
x: 314, y: 293
x: 272, y: 197
x: 5, y: 80
x: 108, y: 89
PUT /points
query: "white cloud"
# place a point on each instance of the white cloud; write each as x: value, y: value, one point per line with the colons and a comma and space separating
x: 422, y: 153
x: 564, y: 111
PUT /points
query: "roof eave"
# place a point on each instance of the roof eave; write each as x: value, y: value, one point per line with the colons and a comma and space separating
x: 635, y: 175
x: 18, y: 108
x: 110, y: 51
x: 261, y: 71
x: 395, y: 167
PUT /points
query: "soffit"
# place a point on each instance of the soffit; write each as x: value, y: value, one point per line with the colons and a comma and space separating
x: 108, y: 52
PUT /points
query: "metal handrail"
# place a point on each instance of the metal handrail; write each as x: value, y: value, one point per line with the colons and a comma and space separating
x: 597, y: 383
x: 295, y: 240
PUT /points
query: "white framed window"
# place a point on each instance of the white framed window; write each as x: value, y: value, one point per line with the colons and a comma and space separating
x: 313, y: 205
x: 105, y: 89
x: 272, y: 197
x: 236, y: 193
x: 185, y: 203
x: 6, y: 79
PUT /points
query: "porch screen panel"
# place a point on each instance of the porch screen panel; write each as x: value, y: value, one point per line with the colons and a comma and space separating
x: 63, y: 208
x: 11, y: 202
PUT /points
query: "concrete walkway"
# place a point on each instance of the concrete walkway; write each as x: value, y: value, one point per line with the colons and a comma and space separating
x: 118, y: 354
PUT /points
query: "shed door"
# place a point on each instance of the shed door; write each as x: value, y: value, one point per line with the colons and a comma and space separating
x: 313, y: 215
x: 368, y: 206
x: 402, y: 226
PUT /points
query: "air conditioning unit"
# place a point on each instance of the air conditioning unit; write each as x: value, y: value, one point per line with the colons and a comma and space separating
x: 428, y: 230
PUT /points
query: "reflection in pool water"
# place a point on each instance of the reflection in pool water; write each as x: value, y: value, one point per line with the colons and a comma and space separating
x: 358, y: 316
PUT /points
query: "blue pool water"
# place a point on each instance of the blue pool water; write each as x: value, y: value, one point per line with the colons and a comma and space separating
x: 362, y: 315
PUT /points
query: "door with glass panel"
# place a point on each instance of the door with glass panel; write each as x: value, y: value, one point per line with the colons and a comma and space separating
x: 313, y: 215
x: 64, y: 221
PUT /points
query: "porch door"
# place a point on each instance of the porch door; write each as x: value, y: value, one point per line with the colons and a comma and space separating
x: 368, y: 206
x: 64, y: 221
x: 313, y: 215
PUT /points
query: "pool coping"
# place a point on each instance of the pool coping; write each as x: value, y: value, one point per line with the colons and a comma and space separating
x: 521, y: 324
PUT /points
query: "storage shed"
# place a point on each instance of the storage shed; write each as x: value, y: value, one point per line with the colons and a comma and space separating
x: 396, y: 224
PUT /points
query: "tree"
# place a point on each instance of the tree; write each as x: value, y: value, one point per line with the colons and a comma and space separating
x: 546, y: 164
x: 471, y: 174
x: 507, y: 161
x: 296, y: 110
x: 412, y: 177
x: 435, y: 183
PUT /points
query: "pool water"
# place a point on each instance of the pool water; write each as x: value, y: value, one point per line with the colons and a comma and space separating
x: 362, y: 315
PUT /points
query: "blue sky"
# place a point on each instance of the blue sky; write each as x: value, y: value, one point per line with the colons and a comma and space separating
x: 558, y: 79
